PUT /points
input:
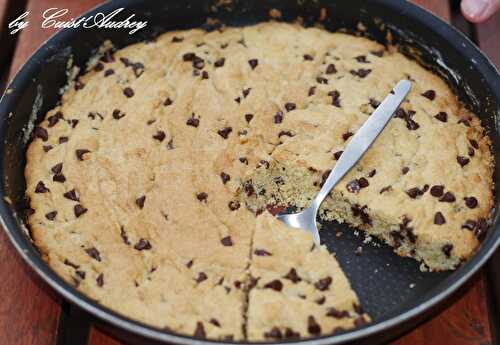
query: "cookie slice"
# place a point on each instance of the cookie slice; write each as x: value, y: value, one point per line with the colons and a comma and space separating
x: 297, y: 289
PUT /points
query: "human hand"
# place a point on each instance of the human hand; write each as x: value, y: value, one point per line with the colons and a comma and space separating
x: 477, y: 11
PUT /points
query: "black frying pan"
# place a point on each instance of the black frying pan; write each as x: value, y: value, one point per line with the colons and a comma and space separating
x: 392, y: 289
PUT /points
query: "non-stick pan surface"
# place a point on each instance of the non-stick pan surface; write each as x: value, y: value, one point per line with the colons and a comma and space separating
x: 392, y: 289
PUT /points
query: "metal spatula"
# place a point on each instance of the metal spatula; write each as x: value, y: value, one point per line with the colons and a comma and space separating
x: 354, y: 150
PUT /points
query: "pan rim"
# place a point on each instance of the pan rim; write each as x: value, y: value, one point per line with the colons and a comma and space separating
x: 22, y: 244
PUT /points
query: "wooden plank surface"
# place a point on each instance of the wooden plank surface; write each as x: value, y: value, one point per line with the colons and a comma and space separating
x: 34, y: 321
x: 29, y: 309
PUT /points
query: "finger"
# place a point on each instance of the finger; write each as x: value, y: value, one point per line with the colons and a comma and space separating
x: 477, y: 11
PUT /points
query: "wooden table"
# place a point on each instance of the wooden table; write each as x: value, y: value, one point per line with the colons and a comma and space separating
x: 32, y: 313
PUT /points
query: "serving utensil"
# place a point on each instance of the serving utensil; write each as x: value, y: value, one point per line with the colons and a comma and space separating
x: 355, y: 149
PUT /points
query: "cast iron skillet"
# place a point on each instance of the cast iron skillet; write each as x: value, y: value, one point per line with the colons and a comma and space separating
x: 393, y: 290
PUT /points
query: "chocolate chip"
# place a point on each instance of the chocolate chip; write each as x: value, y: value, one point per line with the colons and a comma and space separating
x: 54, y: 119
x: 471, y: 152
x: 474, y: 144
x: 59, y: 178
x: 193, y: 122
x: 335, y: 95
x: 347, y: 135
x: 361, y: 59
x: 441, y: 116
x: 224, y: 177
x: 372, y: 173
x: 358, y: 211
x: 285, y: 133
x: 224, y: 132
x: 98, y: 67
x: 204, y: 75
x: 237, y: 100
x: 462, y: 161
x: 80, y: 274
x: 261, y: 252
x: 160, y: 136
x: 80, y: 152
x: 362, y: 72
x: 330, y: 69
x: 140, y: 201
x: 312, y: 326
x: 93, y: 253
x: 276, y: 285
x: 220, y: 62
x: 447, y: 197
x: 290, y: 106
x: 199, y: 331
x: 446, y: 249
x: 469, y: 225
x: 437, y: 191
x: 470, y: 202
x: 337, y: 155
x: 142, y: 245
x: 117, y: 114
x: 332, y: 312
x: 430, y: 94
x: 73, y: 122
x: 439, y: 219
x: 246, y: 92
x: 291, y: 334
x: 170, y: 144
x: 248, y: 117
x: 71, y: 195
x: 176, y: 39
x: 40, y: 132
x: 69, y: 263
x: 124, y: 236
x: 63, y: 140
x: 234, y: 205
x: 108, y: 72
x: 47, y: 148
x: 168, y: 102
x: 40, y: 188
x: 215, y: 322
x: 226, y: 241
x: 360, y: 321
x: 385, y: 189
x: 79, y: 210
x: 253, y: 63
x: 323, y: 284
x: 188, y: 56
x: 243, y: 160
x: 405, y: 170
x: 274, y: 333
x: 320, y: 300
x: 308, y: 57
x: 322, y: 80
x: 51, y: 215
x: 363, y: 182
x: 413, y: 192
x: 374, y: 103
x: 100, y: 280
x: 278, y: 117
x: 128, y: 92
x: 202, y: 196
x: 378, y: 53
x: 311, y: 91
x: 353, y: 187
x: 201, y: 277
x: 293, y: 276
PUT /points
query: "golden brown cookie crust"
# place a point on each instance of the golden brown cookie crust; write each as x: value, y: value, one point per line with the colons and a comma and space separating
x: 136, y: 178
